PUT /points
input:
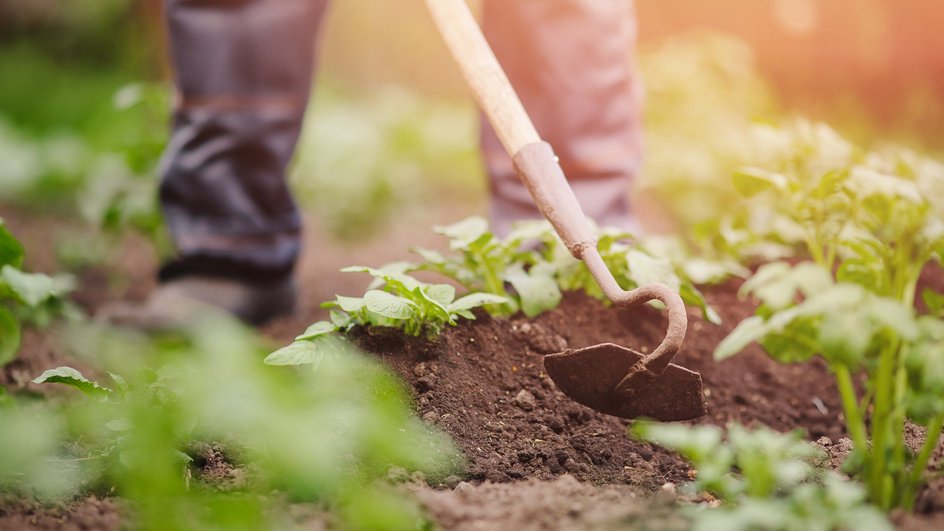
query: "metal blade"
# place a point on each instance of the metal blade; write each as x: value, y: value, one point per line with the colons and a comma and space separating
x: 590, y: 376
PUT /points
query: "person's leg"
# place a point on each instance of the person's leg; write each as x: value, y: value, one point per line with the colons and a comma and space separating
x: 571, y: 63
x: 243, y: 75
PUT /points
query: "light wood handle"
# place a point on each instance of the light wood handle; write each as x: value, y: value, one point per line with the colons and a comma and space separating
x: 485, y: 76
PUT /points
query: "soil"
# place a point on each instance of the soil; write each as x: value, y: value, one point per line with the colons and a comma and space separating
x: 537, y: 459
x: 86, y: 514
x: 483, y: 382
x: 564, y: 503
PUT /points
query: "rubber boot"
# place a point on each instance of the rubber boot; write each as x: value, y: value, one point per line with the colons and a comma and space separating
x: 243, y: 73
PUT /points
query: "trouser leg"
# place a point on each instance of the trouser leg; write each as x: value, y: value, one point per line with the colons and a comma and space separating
x: 243, y: 74
x: 571, y: 63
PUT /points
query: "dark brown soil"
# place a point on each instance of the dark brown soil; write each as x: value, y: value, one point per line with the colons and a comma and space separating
x: 484, y: 383
x: 87, y: 514
x: 535, y: 505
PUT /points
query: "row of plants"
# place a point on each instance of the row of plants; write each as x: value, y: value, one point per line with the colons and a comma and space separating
x: 868, y: 223
x: 844, y: 235
x: 525, y: 271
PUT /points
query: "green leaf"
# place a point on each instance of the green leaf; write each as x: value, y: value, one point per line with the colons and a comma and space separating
x: 393, y: 274
x: 341, y: 320
x: 794, y: 342
x: 297, y: 353
x: 121, y: 385
x: 71, y: 377
x: 893, y: 315
x: 845, y: 337
x: 465, y: 314
x: 311, y: 352
x: 430, y: 257
x: 692, y: 297
x: 933, y: 300
x: 474, y: 300
x: 11, y: 251
x: 442, y: 294
x: 9, y: 336
x: 388, y: 305
x: 350, y: 304
x: 752, y: 181
x: 776, y: 284
x: 746, y: 332
x: 434, y: 310
x: 531, y: 230
x: 866, y: 182
x: 33, y: 288
x: 539, y: 292
x: 694, y: 442
x: 646, y: 269
x: 317, y: 329
x: 465, y: 233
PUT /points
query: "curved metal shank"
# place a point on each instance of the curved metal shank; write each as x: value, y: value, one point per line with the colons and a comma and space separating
x: 655, y: 363
x: 538, y: 168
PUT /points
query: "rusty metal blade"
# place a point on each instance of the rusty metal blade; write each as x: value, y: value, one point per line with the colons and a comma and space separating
x: 590, y: 376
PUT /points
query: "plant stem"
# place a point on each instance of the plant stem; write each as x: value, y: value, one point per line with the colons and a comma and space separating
x: 899, y: 457
x: 921, y: 461
x: 854, y: 421
x: 877, y: 462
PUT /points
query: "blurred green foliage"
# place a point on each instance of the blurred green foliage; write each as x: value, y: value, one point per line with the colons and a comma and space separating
x: 324, y: 436
x: 26, y: 298
x: 366, y: 158
x: 765, y: 479
x: 703, y: 96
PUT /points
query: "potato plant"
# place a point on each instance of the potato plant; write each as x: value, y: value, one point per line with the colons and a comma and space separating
x: 765, y: 479
x: 323, y: 437
x: 24, y: 297
x: 396, y: 300
x: 531, y: 266
x: 870, y: 222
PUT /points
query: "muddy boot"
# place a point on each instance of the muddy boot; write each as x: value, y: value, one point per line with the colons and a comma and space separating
x: 185, y: 302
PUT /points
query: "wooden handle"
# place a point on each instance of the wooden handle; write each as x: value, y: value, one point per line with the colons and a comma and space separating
x: 485, y: 76
x: 534, y: 159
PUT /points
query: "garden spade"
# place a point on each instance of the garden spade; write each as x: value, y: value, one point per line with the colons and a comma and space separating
x: 609, y: 378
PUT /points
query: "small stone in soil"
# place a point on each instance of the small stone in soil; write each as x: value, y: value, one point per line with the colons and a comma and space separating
x: 525, y: 400
x: 425, y: 384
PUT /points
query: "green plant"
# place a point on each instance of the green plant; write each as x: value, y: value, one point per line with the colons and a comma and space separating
x: 322, y: 436
x: 531, y: 266
x: 24, y: 297
x: 870, y: 222
x: 766, y: 480
x: 403, y: 302
x: 501, y: 266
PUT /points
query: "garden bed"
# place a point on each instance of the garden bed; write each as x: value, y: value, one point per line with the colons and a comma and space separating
x: 537, y: 460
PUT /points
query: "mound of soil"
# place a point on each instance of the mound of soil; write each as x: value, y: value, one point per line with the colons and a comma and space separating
x: 483, y: 382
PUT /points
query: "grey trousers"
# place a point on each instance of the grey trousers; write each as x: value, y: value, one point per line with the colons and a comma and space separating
x: 243, y: 75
